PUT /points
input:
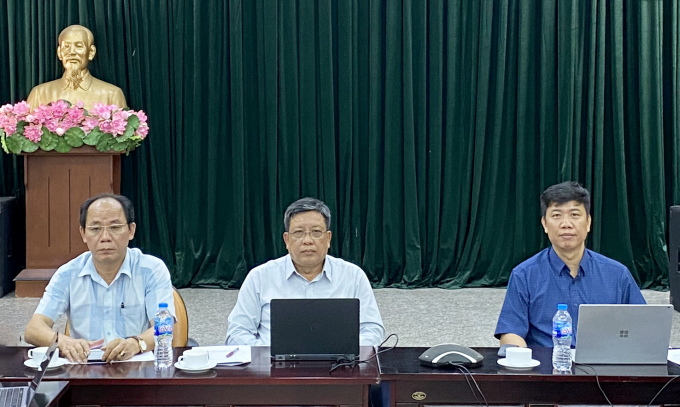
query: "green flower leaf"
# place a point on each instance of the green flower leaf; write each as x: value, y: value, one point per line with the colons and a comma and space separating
x: 133, y: 121
x: 74, y: 137
x: 129, y: 132
x: 62, y: 146
x: 103, y: 142
x: 93, y: 137
x: 29, y: 146
x: 14, y: 143
x: 118, y: 147
x: 48, y: 141
x: 111, y: 143
x: 3, y: 141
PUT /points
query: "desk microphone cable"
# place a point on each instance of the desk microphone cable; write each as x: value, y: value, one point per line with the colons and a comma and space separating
x: 659, y: 392
x: 597, y: 379
x: 468, y: 376
x: 353, y: 363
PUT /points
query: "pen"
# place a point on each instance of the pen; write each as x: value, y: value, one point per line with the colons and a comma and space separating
x: 230, y: 354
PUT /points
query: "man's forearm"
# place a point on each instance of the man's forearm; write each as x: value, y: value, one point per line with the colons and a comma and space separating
x: 513, y: 339
x: 371, y: 334
x: 148, y: 337
x: 243, y: 337
x: 38, y: 331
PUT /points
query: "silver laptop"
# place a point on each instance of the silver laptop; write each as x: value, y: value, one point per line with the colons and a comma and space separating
x: 315, y: 329
x: 13, y: 394
x: 623, y: 334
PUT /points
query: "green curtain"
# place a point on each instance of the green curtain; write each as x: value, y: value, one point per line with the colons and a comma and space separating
x: 430, y: 128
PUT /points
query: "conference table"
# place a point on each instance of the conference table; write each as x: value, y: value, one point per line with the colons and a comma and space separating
x: 406, y: 383
x: 260, y: 382
x: 49, y: 394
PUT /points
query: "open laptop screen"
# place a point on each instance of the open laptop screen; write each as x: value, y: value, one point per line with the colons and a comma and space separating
x: 315, y: 329
x: 623, y: 333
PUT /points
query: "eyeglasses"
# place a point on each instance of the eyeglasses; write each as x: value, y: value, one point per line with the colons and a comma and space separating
x: 113, y: 229
x: 315, y: 234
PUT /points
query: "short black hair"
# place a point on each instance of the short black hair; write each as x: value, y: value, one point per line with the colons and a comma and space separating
x: 128, y: 210
x: 565, y: 192
x: 307, y: 205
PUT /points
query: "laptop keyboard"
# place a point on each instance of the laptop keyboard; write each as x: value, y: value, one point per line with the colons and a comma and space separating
x: 11, y: 396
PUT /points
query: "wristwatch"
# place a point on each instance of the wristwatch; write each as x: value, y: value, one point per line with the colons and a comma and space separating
x: 142, y: 344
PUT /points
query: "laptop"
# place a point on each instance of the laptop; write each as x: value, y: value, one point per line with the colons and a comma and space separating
x: 619, y: 334
x: 315, y: 329
x: 13, y: 394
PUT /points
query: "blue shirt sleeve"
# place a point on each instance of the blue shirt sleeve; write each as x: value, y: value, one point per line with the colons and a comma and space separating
x: 630, y: 290
x: 244, y: 319
x: 54, y: 302
x: 514, y: 316
x: 371, y: 329
x: 159, y: 289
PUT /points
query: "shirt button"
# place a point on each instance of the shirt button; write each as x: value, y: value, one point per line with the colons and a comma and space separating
x: 108, y: 333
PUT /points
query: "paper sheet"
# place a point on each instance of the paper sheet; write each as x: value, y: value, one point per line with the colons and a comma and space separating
x: 238, y: 355
x: 674, y: 356
x: 142, y: 357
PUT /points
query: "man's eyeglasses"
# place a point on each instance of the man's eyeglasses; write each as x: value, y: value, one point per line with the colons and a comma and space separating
x: 315, y: 234
x: 113, y: 229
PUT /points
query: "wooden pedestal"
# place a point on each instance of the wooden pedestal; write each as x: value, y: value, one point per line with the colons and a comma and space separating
x: 56, y: 186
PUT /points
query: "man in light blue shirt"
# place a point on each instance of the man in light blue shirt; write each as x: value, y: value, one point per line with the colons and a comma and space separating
x: 110, y: 294
x: 307, y: 271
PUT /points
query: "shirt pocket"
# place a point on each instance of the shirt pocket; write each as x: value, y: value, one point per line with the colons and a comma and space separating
x: 133, y: 320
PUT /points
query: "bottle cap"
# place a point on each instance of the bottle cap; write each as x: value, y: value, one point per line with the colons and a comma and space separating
x: 562, y: 307
x: 165, y: 305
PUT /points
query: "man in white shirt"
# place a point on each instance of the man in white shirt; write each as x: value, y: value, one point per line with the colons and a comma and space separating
x: 307, y: 271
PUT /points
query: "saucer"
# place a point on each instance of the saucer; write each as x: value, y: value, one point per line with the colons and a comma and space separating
x: 34, y: 365
x: 183, y: 367
x: 504, y: 362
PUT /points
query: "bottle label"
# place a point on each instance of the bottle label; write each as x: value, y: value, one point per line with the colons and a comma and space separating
x: 163, y: 327
x: 561, y: 330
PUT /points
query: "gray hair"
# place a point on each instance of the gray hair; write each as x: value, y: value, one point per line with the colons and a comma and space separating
x: 307, y: 205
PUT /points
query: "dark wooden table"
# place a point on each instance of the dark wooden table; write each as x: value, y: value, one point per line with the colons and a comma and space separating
x: 49, y: 394
x: 259, y: 383
x: 406, y: 383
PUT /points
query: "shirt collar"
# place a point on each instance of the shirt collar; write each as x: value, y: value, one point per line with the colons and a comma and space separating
x: 90, y: 270
x: 326, y: 272
x: 558, y: 265
x: 84, y: 85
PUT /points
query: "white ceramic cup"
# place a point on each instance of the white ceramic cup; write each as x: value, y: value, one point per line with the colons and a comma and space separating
x: 38, y: 354
x: 194, y: 358
x: 518, y: 356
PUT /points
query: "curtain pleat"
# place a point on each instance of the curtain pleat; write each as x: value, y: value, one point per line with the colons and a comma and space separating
x: 429, y: 128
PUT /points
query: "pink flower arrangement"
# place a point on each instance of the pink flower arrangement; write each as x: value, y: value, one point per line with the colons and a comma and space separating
x: 60, y: 126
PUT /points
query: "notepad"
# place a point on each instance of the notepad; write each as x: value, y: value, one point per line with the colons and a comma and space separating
x: 218, y: 354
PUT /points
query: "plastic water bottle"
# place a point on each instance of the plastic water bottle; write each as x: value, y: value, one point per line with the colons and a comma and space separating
x: 561, y: 333
x: 162, y: 324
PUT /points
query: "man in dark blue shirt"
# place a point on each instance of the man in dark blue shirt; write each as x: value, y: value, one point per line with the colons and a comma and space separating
x: 566, y: 273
